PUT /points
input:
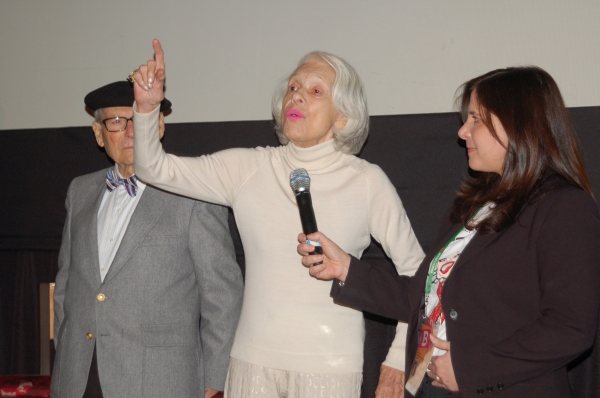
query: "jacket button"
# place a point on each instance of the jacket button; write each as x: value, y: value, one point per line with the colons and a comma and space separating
x: 89, y: 336
x: 101, y: 297
x: 490, y: 388
x: 500, y: 386
x: 453, y: 315
x: 480, y: 391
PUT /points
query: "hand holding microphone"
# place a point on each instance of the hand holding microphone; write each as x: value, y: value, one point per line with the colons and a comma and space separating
x: 300, y: 182
x: 336, y: 261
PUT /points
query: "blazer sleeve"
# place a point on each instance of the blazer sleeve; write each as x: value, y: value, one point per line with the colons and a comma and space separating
x: 374, y: 289
x: 567, y: 256
x: 220, y: 288
x: 64, y: 259
x: 390, y: 226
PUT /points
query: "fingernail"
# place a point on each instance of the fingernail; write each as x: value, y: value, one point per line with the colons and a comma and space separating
x: 149, y: 80
x: 150, y: 85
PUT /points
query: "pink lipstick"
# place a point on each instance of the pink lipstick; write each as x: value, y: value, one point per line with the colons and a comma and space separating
x: 294, y: 114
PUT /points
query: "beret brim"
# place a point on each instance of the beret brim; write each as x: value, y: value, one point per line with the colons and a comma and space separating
x: 116, y: 94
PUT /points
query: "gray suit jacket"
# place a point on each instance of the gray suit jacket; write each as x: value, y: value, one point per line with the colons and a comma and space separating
x: 175, y: 267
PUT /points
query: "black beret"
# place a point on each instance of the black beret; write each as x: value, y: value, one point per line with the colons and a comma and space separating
x: 116, y: 94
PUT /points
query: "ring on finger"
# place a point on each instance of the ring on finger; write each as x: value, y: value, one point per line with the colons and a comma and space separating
x: 131, y: 77
x: 437, y: 378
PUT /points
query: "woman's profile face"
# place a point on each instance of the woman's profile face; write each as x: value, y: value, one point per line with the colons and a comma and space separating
x: 485, y: 152
x: 308, y: 114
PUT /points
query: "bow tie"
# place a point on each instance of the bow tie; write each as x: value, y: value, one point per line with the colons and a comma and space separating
x: 113, y: 181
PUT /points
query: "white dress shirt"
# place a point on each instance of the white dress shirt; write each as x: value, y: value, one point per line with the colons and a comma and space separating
x: 114, y: 214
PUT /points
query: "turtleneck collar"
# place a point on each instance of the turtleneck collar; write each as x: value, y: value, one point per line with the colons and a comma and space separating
x: 315, y: 158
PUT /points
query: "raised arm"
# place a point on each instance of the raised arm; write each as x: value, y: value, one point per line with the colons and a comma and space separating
x: 213, y: 178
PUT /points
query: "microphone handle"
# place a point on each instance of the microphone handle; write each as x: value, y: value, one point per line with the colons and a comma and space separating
x: 307, y: 214
x: 307, y: 218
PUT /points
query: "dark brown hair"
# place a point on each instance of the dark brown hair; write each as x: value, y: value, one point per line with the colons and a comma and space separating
x: 541, y: 142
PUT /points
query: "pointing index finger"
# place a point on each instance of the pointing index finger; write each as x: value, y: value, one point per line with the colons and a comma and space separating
x: 159, y: 55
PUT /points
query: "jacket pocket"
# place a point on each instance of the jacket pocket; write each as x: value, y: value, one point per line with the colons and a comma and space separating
x: 171, y: 361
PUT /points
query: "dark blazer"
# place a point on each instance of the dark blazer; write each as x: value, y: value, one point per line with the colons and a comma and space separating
x: 519, y: 304
x: 175, y: 269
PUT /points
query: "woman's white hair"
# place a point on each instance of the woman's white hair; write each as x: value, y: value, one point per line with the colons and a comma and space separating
x: 349, y: 100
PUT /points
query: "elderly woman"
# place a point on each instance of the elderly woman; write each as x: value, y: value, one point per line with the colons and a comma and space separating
x: 291, y: 340
x: 517, y: 258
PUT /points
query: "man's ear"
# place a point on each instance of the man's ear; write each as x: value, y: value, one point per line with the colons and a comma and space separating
x: 161, y: 125
x: 97, y: 127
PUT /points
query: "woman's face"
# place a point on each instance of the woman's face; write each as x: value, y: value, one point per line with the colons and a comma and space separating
x: 308, y: 114
x: 485, y: 152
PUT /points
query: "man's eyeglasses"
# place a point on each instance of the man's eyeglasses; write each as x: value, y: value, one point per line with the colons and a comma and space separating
x: 116, y: 124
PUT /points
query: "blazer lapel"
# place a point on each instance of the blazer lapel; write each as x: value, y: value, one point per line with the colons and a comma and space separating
x: 89, y: 224
x: 150, y: 208
x: 477, y: 244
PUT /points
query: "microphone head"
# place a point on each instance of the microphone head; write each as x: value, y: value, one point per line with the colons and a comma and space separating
x: 300, y: 181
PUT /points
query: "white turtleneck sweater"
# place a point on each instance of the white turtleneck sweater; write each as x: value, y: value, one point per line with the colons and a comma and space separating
x: 288, y: 320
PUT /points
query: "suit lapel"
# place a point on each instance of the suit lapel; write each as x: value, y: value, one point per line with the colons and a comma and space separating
x: 89, y: 224
x: 476, y: 245
x: 150, y: 208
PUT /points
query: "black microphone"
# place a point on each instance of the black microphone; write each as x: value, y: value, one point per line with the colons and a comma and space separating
x: 300, y: 182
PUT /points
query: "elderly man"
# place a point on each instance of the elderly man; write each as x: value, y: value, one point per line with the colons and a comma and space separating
x: 148, y: 292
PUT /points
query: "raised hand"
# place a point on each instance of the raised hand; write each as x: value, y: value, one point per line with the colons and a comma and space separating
x: 149, y: 81
x: 335, y: 261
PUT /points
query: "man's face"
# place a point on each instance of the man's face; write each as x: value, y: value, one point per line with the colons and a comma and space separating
x: 119, y: 144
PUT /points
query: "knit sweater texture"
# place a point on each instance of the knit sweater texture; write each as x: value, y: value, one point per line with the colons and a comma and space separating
x: 288, y: 320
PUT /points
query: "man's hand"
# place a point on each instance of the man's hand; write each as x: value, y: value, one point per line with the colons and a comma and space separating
x: 149, y: 81
x: 391, y: 383
x: 335, y: 261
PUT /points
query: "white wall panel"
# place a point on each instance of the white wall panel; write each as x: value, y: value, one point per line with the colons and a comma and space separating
x: 224, y: 57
